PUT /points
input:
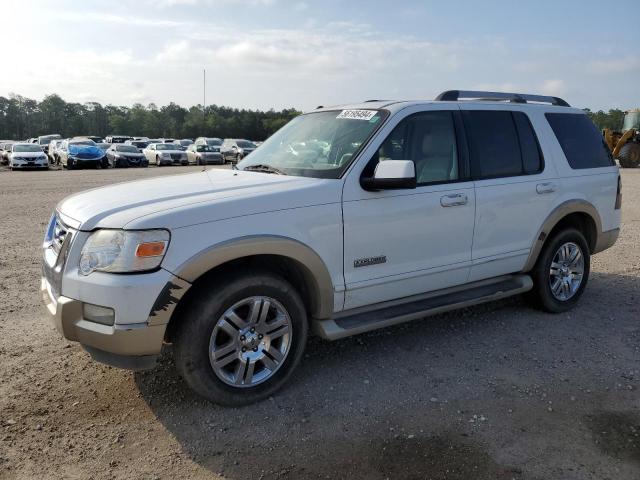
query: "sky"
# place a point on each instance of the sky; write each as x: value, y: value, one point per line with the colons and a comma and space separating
x: 264, y: 54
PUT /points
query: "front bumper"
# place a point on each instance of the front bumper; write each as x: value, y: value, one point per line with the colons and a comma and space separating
x: 134, y: 346
x: 83, y: 162
x: 27, y: 165
x: 215, y: 159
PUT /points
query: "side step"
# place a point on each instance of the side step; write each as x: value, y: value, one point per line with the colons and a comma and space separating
x: 391, y: 313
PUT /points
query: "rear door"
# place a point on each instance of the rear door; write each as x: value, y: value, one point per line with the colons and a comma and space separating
x: 515, y: 188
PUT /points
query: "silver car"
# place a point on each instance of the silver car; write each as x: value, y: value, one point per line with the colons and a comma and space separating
x: 204, y: 154
x: 165, y: 154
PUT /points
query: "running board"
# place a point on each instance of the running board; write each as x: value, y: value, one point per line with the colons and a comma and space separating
x: 391, y: 313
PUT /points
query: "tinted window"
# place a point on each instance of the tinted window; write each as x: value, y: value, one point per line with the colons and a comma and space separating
x: 429, y: 140
x: 493, y: 143
x: 531, y: 156
x: 580, y: 140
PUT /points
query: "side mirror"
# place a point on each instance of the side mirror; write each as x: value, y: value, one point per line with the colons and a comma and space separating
x: 391, y: 175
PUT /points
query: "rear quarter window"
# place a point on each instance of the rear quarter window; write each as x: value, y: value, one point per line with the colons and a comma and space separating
x: 581, y: 142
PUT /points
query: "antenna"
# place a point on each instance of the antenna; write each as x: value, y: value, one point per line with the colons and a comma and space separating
x: 204, y: 99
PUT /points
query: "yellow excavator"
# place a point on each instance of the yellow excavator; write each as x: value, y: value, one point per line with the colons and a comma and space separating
x: 625, y: 145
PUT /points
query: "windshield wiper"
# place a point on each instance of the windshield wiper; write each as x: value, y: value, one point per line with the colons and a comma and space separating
x: 263, y: 168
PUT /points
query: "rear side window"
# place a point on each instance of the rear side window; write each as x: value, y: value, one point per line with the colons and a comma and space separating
x: 531, y: 156
x: 501, y: 144
x: 580, y: 140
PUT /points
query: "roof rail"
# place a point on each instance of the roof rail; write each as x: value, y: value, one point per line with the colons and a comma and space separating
x: 453, y: 95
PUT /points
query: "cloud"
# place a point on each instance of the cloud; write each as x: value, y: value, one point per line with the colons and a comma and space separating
x: 124, y: 20
x: 615, y: 65
x: 182, y: 3
x: 555, y: 87
x: 343, y: 48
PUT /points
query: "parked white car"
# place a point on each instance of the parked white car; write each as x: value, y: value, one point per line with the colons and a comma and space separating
x: 52, y: 151
x: 165, y: 154
x: 346, y: 220
x: 27, y: 155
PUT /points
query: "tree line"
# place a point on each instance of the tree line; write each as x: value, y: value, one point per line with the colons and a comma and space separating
x: 612, y: 119
x: 22, y: 118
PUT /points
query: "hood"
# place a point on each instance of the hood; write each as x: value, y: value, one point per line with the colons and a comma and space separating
x: 176, y: 201
x: 86, y: 151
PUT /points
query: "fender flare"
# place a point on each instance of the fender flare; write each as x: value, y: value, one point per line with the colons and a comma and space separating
x: 557, y: 214
x: 313, y: 267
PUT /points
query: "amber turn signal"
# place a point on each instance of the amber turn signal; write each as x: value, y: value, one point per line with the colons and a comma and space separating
x: 150, y: 249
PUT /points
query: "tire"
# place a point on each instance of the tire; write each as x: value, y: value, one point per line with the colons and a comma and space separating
x: 543, y: 295
x: 238, y: 158
x: 158, y: 163
x: 629, y: 156
x: 202, y: 325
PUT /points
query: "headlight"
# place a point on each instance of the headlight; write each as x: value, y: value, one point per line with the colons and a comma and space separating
x: 122, y: 251
x: 165, y: 155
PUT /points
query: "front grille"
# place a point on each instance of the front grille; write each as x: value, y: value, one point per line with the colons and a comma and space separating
x: 56, y: 248
x: 85, y: 156
x: 59, y: 236
x: 176, y: 156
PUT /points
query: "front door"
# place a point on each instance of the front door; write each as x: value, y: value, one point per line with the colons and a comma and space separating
x: 399, y: 243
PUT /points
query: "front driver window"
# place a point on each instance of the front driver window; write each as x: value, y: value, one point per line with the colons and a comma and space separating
x: 429, y: 140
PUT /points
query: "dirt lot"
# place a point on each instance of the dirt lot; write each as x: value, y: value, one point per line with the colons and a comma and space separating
x: 499, y: 391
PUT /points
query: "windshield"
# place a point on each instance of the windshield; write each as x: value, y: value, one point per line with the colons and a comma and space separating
x: 245, y: 144
x: 205, y: 148
x: 27, y: 148
x: 186, y: 143
x: 319, y: 145
x: 165, y: 146
x: 127, y: 148
x: 214, y: 142
x: 83, y: 142
x: 140, y: 144
x: 46, y: 140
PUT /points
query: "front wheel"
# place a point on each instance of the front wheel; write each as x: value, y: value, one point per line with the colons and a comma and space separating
x: 240, y: 343
x: 158, y: 163
x: 561, y: 272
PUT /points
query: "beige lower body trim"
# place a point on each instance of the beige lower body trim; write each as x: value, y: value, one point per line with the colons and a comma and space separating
x: 131, y: 340
x: 606, y: 240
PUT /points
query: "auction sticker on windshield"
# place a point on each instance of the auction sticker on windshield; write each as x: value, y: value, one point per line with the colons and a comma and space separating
x: 358, y: 114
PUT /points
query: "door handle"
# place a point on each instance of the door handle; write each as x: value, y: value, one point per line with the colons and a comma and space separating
x: 547, y: 187
x: 453, y: 200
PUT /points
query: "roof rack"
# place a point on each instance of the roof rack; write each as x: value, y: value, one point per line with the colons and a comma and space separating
x: 453, y: 95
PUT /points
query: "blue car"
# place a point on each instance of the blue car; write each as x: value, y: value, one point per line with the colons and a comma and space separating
x: 78, y: 153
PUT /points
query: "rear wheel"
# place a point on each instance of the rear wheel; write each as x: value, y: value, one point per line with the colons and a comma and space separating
x: 240, y: 343
x: 561, y: 272
x: 629, y: 156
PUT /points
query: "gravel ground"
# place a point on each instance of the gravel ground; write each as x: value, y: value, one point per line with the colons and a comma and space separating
x: 498, y: 391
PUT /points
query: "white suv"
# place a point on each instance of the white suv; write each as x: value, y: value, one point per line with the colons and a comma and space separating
x: 346, y: 220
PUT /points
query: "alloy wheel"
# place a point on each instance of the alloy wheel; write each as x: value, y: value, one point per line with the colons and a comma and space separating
x: 250, y: 341
x: 566, y: 271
